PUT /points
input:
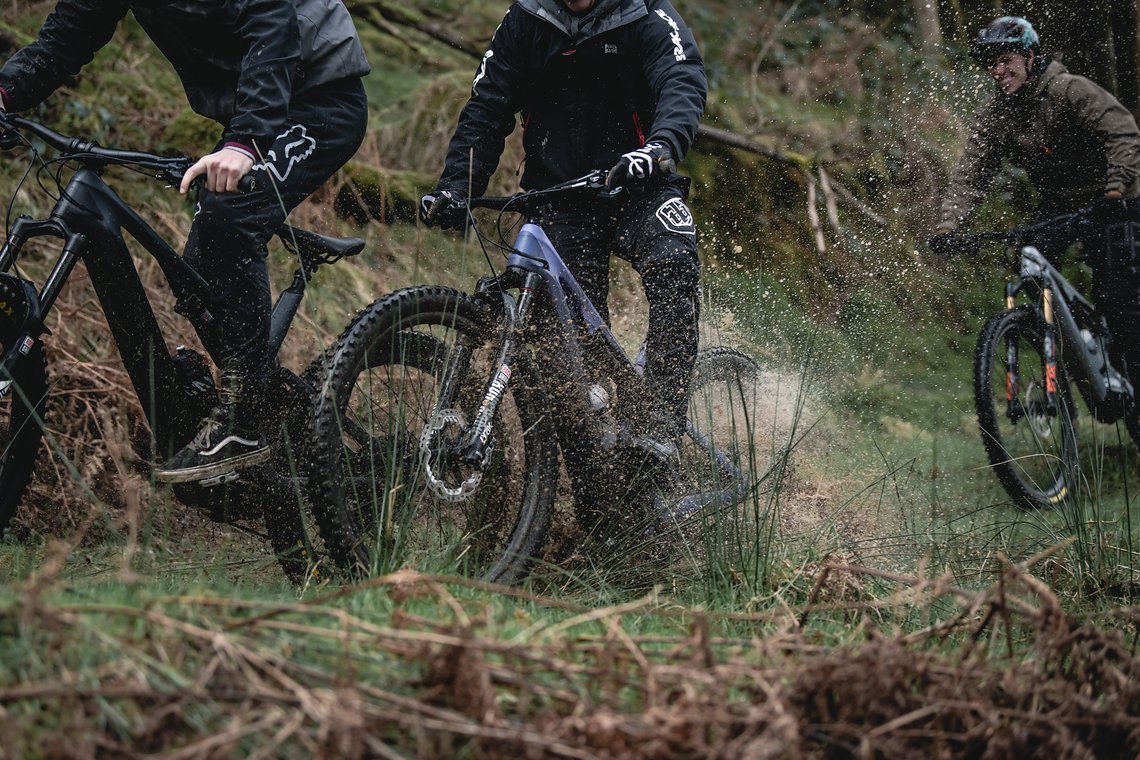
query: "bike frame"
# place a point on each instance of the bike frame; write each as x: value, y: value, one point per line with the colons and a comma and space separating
x: 1064, y: 311
x: 534, y: 266
x: 91, y: 218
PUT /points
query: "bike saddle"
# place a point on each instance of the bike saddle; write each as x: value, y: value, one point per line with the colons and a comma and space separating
x: 314, y: 243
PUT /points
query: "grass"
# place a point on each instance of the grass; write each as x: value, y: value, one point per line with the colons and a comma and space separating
x: 877, y: 548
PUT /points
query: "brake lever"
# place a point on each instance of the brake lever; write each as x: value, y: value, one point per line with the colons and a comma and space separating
x: 10, y: 137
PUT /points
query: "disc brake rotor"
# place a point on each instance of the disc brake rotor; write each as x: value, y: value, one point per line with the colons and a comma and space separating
x: 1039, y: 419
x: 439, y: 451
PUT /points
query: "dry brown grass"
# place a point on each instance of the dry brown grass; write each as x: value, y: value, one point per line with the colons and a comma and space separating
x: 1006, y: 674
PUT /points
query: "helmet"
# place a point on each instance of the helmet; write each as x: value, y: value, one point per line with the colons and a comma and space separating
x: 1004, y: 35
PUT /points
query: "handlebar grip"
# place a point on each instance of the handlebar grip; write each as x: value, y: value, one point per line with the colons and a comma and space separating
x: 246, y: 184
x: 949, y: 244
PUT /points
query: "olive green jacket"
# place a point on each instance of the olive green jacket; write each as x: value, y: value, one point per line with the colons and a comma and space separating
x: 1071, y: 136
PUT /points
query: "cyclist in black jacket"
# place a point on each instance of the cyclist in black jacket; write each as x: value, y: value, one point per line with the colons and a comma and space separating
x: 599, y: 83
x: 282, y: 77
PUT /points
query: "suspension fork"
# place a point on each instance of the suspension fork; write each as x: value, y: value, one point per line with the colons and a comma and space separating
x: 1012, y: 382
x: 1049, y: 349
x: 477, y: 439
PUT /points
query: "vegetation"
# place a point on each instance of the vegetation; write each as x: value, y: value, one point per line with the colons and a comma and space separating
x: 879, y: 594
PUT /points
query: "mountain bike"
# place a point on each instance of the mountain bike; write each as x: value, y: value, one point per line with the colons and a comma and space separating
x: 1030, y: 355
x: 438, y: 428
x: 176, y: 389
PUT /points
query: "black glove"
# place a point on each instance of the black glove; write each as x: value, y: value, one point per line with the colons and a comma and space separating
x: 446, y: 209
x: 649, y: 160
x: 942, y: 244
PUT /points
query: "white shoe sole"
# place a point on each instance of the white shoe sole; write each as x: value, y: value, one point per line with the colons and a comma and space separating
x: 194, y: 474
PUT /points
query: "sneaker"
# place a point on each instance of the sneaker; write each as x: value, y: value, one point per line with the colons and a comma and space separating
x: 217, y: 451
x: 654, y: 454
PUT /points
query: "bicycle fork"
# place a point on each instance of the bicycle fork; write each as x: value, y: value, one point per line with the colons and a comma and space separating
x: 475, y: 444
x: 1014, y: 409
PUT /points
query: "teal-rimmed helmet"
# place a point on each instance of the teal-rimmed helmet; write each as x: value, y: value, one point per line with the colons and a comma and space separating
x: 1004, y: 35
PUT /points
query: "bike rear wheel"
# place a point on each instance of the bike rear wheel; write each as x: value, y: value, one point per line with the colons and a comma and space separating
x: 1033, y: 451
x: 387, y: 479
x: 721, y: 461
x: 22, y: 411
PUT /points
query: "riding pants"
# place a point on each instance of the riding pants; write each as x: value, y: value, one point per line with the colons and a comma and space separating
x: 227, y: 242
x: 654, y: 231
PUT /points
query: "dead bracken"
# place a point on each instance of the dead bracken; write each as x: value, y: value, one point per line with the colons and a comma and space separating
x: 1007, y: 673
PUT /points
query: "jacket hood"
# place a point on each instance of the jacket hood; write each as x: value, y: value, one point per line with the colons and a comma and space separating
x: 1053, y: 69
x: 604, y: 16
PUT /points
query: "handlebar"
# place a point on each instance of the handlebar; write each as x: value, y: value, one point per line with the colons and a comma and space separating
x: 1072, y: 223
x: 592, y: 185
x: 90, y: 153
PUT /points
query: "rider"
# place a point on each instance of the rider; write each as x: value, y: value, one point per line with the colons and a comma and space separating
x: 599, y: 83
x: 1077, y: 144
x: 283, y: 78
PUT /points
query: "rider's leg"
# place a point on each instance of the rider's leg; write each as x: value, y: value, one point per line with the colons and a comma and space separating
x: 662, y: 246
x: 1116, y: 290
x: 227, y: 246
x: 583, y: 238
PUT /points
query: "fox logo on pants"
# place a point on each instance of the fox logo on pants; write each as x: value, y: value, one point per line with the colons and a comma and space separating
x: 291, y: 147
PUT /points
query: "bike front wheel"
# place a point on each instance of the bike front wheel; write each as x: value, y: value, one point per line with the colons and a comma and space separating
x: 1032, y: 448
x: 390, y: 480
x: 22, y: 409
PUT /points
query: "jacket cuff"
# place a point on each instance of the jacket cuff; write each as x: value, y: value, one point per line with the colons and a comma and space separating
x: 669, y: 141
x: 241, y: 148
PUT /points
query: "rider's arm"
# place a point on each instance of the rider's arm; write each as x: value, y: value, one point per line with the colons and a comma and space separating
x: 68, y: 40
x: 676, y: 75
x: 265, y: 82
x: 489, y: 116
x: 272, y: 36
x: 1102, y: 114
x: 974, y: 173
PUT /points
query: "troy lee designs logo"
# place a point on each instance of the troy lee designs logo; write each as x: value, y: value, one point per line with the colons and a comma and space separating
x: 676, y: 217
x: 674, y: 36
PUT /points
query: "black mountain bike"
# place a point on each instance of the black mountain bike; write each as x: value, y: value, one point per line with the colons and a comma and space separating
x: 1030, y: 355
x: 176, y: 389
x: 439, y: 426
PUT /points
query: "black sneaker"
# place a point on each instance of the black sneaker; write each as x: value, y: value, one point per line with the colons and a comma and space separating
x: 215, y: 454
x: 653, y: 455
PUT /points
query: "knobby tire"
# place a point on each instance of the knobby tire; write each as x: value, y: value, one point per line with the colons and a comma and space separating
x: 367, y: 476
x: 22, y: 413
x: 1033, y: 455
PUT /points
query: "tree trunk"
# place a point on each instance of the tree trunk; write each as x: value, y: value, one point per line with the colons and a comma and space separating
x: 1126, y: 35
x: 927, y: 25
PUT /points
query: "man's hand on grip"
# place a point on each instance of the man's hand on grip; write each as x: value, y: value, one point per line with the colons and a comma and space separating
x: 446, y: 209
x: 639, y: 165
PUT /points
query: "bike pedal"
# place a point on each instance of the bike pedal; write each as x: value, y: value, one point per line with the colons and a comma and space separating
x: 219, y: 480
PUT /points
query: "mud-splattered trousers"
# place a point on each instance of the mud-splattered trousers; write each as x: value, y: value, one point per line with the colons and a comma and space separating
x: 227, y: 242
x: 653, y: 229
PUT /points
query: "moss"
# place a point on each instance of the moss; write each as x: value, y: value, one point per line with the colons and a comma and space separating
x: 382, y: 194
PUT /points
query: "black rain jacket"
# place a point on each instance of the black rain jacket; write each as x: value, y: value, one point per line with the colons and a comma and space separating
x: 240, y: 61
x: 589, y: 88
